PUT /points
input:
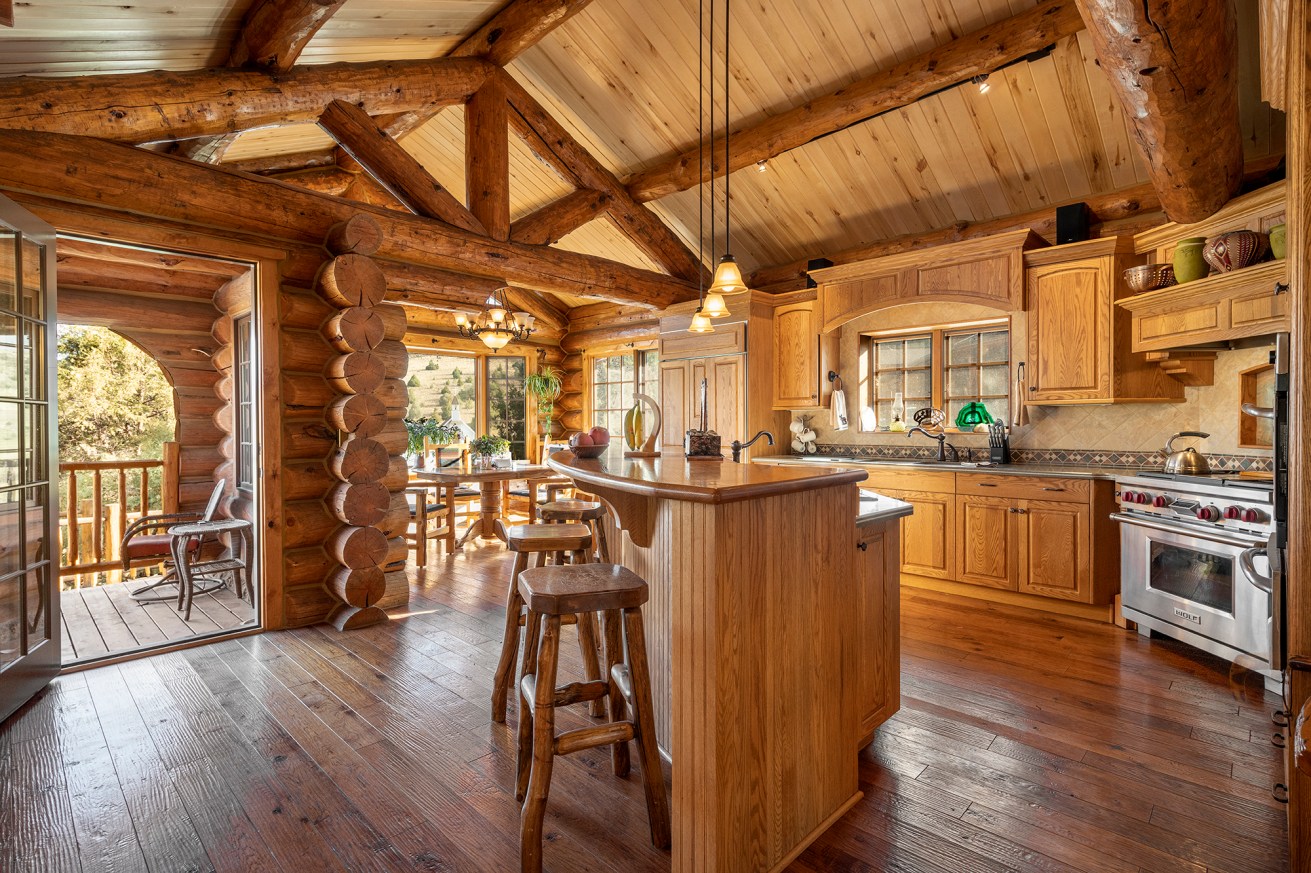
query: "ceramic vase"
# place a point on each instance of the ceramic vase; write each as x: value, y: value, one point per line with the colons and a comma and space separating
x: 1235, y: 250
x: 1279, y: 241
x: 1188, y: 261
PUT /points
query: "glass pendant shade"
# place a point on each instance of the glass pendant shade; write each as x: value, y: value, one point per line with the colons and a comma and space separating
x: 714, y: 305
x: 461, y: 319
x: 496, y: 339
x: 524, y: 320
x: 496, y: 314
x: 728, y: 277
x: 700, y: 323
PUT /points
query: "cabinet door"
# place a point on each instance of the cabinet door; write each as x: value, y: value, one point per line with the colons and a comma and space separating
x: 675, y: 392
x: 1053, y: 545
x: 878, y: 629
x: 985, y: 553
x: 796, y: 356
x: 928, y: 535
x: 728, y: 409
x: 1069, y: 332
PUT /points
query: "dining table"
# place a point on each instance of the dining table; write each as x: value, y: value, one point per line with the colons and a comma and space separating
x: 489, y: 482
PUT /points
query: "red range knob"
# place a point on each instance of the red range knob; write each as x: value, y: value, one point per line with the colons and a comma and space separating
x: 1161, y: 501
x: 1253, y: 515
x: 1208, y: 513
x: 1233, y: 512
x: 1142, y: 497
x: 1126, y: 496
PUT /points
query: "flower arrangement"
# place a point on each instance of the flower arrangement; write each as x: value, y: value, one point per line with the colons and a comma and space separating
x: 489, y: 445
x: 427, y: 427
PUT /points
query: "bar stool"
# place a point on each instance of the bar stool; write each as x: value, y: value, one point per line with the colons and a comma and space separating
x: 590, y: 512
x: 541, y: 541
x: 552, y: 593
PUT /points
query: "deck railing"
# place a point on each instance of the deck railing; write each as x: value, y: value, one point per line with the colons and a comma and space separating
x: 99, y: 500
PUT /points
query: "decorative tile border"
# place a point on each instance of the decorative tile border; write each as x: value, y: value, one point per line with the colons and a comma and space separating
x: 1071, y: 457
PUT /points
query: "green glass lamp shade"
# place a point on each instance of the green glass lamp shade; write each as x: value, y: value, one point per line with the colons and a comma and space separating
x: 972, y: 414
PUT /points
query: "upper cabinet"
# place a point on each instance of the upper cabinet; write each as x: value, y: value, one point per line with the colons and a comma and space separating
x: 796, y: 356
x: 1078, y: 340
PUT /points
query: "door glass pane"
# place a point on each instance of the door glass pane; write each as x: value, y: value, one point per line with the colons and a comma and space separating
x: 1196, y: 576
x: 35, y: 521
x: 11, y: 551
x: 34, y: 445
x: 8, y: 356
x: 38, y: 611
x: 33, y: 358
x: 9, y: 459
x: 33, y: 302
x: 8, y: 270
x: 11, y: 617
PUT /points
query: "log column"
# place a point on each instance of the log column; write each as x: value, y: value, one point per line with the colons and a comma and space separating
x: 367, y: 465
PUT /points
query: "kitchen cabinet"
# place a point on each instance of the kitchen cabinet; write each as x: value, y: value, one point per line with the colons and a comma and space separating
x: 1079, y: 341
x: 1053, y: 541
x: 985, y: 542
x: 878, y: 636
x: 796, y: 356
x: 680, y: 399
x: 928, y: 544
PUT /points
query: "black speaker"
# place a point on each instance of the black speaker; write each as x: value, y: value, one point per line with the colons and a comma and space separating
x: 1071, y: 223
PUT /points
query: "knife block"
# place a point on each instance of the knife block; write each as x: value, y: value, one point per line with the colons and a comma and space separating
x: 704, y: 444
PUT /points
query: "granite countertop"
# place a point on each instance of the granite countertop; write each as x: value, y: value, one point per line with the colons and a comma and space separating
x: 1058, y: 470
x: 877, y: 507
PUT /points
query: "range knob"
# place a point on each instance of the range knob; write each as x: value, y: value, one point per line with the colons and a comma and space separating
x: 1233, y: 513
x: 1208, y: 513
x: 1161, y: 501
x: 1127, y: 496
x: 1252, y: 516
x: 1142, y: 497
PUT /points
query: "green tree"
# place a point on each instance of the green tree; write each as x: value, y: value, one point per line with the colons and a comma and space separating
x: 432, y: 365
x: 414, y: 381
x: 115, y: 403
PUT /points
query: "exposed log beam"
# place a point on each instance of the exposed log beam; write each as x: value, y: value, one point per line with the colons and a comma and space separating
x: 553, y: 144
x: 393, y: 167
x: 518, y: 26
x: 102, y: 251
x: 446, y: 290
x: 325, y: 157
x: 325, y: 180
x: 148, y: 107
x: 900, y: 85
x: 1174, y: 67
x: 554, y: 221
x: 275, y: 32
x: 137, y: 181
x: 1107, y: 207
x: 487, y: 157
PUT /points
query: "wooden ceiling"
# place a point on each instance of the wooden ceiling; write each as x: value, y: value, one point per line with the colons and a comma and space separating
x: 620, y: 77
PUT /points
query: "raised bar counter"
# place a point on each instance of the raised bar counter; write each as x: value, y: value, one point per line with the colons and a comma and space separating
x: 766, y: 652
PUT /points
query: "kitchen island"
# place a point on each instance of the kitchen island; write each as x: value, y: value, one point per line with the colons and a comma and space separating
x: 771, y: 632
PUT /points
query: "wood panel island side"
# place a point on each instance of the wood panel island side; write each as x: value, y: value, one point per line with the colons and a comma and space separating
x: 772, y: 636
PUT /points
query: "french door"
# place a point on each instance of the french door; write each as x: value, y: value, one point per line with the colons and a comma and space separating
x: 29, y: 493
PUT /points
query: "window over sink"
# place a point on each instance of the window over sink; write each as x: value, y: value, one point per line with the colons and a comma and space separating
x: 946, y: 367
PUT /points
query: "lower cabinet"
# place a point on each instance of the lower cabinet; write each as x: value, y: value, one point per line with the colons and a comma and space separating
x: 985, y: 542
x: 928, y: 546
x: 1030, y: 546
x: 878, y: 611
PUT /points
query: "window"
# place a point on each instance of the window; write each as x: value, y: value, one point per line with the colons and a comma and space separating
x: 439, y: 384
x: 615, y: 379
x: 507, y: 402
x: 945, y: 368
x: 244, y: 398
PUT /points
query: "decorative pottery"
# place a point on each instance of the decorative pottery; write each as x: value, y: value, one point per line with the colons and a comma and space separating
x: 1235, y: 250
x: 1189, y: 264
x: 1279, y: 241
x: 1149, y: 277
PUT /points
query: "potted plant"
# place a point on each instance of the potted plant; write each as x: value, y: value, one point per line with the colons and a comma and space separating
x: 545, y: 386
x: 430, y: 429
x: 488, y: 446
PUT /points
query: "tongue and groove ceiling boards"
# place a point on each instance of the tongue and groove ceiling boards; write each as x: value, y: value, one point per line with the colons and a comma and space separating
x: 618, y: 76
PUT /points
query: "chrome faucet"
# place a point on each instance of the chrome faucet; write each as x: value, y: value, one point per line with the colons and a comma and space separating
x: 737, y: 445
x: 943, y: 445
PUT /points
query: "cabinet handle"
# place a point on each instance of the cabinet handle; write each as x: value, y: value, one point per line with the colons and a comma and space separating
x: 1033, y: 388
x: 986, y: 484
x: 1048, y: 488
x: 1281, y: 287
x: 862, y: 546
x: 1017, y: 511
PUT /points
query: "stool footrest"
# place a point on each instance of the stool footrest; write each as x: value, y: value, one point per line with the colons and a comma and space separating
x: 567, y: 618
x: 565, y: 695
x: 591, y: 737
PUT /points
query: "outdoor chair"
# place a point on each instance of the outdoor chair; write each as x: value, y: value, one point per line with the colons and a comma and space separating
x: 143, y: 546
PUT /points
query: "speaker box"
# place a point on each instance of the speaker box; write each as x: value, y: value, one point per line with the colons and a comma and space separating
x: 1071, y: 223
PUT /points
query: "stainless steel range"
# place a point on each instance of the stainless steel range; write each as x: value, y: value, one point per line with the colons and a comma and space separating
x: 1195, y: 564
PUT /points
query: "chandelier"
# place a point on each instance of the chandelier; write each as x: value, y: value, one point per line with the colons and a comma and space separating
x: 496, y: 326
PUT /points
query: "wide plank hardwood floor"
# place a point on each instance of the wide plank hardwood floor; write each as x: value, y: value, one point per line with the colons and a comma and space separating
x: 1025, y: 742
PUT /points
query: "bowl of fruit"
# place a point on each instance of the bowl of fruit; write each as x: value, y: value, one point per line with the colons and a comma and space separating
x: 590, y: 443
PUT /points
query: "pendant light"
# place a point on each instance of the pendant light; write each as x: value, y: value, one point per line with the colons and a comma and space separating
x: 701, y: 318
x: 728, y: 275
x: 496, y: 326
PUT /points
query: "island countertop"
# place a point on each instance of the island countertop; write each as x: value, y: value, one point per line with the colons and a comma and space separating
x: 696, y: 481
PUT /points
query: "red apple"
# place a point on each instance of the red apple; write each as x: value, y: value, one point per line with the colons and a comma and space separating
x: 581, y: 439
x: 600, y: 436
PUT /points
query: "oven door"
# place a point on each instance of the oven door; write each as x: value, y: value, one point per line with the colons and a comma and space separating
x: 1198, y: 582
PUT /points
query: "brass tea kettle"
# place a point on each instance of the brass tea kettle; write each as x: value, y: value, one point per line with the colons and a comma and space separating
x: 1189, y: 461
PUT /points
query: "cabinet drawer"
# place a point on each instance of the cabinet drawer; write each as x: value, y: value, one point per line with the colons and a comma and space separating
x: 1023, y: 487
x: 904, y: 478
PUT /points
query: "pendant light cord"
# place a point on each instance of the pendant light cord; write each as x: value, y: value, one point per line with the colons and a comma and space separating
x: 710, y: 62
x: 701, y: 146
x: 728, y: 168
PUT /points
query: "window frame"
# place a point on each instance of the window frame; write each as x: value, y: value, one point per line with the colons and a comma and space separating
x: 938, y: 335
x: 646, y: 369
x: 483, y: 400
x: 245, y: 453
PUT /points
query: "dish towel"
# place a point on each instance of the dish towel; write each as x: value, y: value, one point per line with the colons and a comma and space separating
x: 1019, y: 411
x: 838, y: 409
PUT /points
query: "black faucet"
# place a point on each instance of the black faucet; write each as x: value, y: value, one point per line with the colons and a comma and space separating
x: 737, y: 445
x: 943, y: 445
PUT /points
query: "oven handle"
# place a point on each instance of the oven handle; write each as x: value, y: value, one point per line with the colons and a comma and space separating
x: 1247, y: 561
x: 1229, y: 538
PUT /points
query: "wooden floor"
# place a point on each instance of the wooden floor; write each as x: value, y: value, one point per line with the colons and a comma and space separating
x: 1025, y: 742
x: 105, y: 620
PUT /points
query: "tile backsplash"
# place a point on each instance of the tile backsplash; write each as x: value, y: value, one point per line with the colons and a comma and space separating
x: 1133, y: 433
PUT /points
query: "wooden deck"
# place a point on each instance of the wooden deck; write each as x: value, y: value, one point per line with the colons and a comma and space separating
x: 105, y: 620
x: 1025, y: 742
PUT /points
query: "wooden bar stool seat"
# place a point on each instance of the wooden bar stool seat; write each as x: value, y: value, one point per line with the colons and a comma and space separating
x: 542, y: 541
x: 591, y: 512
x: 551, y: 593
